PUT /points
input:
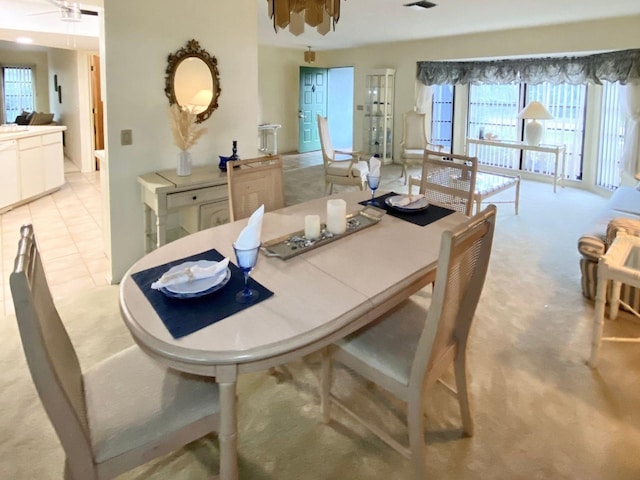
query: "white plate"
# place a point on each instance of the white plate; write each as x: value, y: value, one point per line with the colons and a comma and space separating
x: 196, y: 286
x: 416, y: 206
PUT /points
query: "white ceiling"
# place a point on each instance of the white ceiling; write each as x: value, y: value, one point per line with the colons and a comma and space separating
x: 362, y: 22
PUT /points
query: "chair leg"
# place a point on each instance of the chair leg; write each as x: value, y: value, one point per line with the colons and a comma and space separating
x: 415, y: 421
x: 325, y: 386
x: 464, y: 397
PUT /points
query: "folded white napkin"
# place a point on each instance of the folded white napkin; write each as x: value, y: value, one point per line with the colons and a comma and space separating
x: 250, y: 235
x: 374, y: 166
x: 404, y: 200
x: 190, y: 274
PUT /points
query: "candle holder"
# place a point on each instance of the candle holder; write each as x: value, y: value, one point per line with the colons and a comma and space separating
x: 336, y: 216
x: 295, y: 243
x: 312, y: 227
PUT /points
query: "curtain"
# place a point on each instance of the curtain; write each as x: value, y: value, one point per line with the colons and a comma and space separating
x: 620, y: 66
x: 422, y: 100
x: 630, y: 105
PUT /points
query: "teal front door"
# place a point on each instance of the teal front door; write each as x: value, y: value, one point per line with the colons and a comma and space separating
x: 313, y: 102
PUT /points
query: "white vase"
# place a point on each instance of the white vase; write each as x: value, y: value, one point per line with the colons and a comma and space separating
x: 184, y: 163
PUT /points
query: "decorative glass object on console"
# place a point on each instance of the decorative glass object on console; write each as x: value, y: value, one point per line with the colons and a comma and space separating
x: 234, y: 156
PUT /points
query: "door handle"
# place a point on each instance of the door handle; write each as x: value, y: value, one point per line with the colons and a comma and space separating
x: 300, y: 114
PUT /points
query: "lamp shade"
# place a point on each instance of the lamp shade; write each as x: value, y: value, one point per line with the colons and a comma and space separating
x: 535, y: 110
x: 533, y: 131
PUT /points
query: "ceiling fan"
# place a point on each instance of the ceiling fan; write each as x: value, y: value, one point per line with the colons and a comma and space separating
x: 68, y: 11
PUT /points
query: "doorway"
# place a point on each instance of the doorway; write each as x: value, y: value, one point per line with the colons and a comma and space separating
x: 328, y: 92
x: 96, y: 108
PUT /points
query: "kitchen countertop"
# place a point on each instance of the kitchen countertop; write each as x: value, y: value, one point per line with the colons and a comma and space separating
x: 20, y: 131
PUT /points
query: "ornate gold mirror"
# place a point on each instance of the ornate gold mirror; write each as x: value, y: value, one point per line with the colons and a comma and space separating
x: 192, y: 80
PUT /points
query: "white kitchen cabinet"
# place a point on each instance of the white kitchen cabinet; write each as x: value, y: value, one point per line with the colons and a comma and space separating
x: 31, y: 167
x: 36, y: 167
x: 52, y: 152
x: 9, y: 188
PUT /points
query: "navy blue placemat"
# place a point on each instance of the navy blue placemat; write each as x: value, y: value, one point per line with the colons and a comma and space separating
x: 424, y: 217
x: 185, y: 316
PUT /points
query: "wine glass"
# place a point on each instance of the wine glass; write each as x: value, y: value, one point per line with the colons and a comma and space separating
x: 374, y: 182
x: 247, y: 259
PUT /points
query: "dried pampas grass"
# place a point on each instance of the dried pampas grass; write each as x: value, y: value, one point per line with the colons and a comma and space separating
x: 183, y: 127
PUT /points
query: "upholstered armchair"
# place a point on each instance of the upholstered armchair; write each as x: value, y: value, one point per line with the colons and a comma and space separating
x: 341, y: 167
x: 414, y: 140
x: 620, y: 214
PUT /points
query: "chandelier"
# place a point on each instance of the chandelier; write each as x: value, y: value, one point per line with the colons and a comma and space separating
x: 321, y: 14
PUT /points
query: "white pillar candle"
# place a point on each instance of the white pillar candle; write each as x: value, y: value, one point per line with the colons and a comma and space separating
x: 312, y: 226
x: 336, y: 216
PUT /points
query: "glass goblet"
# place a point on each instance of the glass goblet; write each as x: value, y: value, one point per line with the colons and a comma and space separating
x: 374, y: 182
x: 247, y: 259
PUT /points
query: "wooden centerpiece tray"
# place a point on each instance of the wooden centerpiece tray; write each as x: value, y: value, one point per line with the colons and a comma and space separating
x: 295, y: 243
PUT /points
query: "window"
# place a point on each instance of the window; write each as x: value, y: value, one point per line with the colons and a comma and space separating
x: 494, y: 109
x: 612, y: 131
x: 18, y: 91
x: 567, y: 104
x: 442, y: 116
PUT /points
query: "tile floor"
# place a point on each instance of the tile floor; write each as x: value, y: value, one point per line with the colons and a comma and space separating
x: 67, y: 224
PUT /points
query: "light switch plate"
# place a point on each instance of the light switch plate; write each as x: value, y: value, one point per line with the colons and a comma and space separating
x: 126, y: 137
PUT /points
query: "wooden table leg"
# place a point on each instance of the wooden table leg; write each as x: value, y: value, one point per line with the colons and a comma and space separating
x: 614, y: 300
x: 148, y: 246
x: 517, y: 193
x: 161, y: 230
x: 228, y: 434
x: 598, y: 316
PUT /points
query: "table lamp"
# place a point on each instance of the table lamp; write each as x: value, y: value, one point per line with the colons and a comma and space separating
x: 533, y: 130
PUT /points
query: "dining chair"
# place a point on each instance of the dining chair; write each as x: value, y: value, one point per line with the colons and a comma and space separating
x: 414, y: 140
x: 254, y: 182
x: 449, y: 180
x: 118, y: 414
x: 341, y: 167
x: 407, y: 350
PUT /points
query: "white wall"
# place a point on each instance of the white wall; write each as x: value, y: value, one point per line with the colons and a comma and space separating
x: 137, y: 42
x: 279, y: 71
x: 73, y: 71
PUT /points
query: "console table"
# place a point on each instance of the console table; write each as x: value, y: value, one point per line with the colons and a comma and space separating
x: 621, y: 264
x: 201, y: 198
x: 559, y: 151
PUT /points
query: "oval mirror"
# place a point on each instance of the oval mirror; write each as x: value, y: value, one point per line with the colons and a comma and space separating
x: 192, y: 80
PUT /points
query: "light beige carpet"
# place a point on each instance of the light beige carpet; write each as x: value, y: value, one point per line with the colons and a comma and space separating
x: 540, y: 412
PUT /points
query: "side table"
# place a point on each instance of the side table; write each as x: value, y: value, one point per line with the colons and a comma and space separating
x: 204, y: 193
x: 263, y: 130
x: 621, y: 264
x: 559, y: 154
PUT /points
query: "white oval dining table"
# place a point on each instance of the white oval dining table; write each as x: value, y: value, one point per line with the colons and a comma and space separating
x: 319, y: 296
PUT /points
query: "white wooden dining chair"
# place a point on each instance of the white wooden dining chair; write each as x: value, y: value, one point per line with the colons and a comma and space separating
x: 407, y: 350
x: 120, y: 413
x: 449, y: 180
x: 341, y: 167
x: 254, y: 182
x: 414, y: 140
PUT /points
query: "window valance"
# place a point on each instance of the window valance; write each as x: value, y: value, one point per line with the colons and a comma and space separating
x: 620, y: 66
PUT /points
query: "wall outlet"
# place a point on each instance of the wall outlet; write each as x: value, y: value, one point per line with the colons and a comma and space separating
x: 126, y: 137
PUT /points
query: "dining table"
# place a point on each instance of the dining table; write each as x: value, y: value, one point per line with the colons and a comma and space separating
x: 319, y: 296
